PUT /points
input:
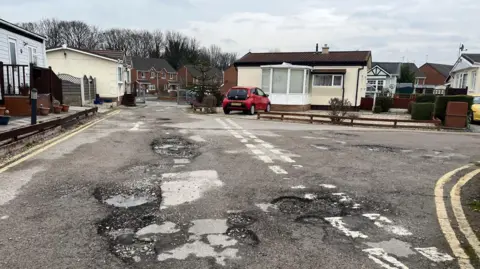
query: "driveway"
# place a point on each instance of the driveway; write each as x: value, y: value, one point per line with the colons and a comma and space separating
x: 156, y: 187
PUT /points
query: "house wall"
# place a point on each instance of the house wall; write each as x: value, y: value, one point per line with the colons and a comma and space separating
x: 433, y: 76
x: 249, y: 76
x: 22, y: 56
x: 229, y: 79
x: 322, y: 95
x: 473, y: 87
x: 159, y: 82
x: 78, y: 64
x: 184, y: 77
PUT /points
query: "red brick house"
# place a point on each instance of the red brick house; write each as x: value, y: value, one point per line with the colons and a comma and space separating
x: 153, y: 74
x: 436, y: 74
x: 229, y: 78
x: 188, y: 75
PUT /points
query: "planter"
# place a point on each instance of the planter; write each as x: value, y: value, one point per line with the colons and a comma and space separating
x: 44, y: 111
x: 2, y: 110
x: 65, y: 108
x: 57, y: 109
x: 4, y: 120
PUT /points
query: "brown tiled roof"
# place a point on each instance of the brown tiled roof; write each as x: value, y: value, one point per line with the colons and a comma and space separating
x: 113, y: 54
x: 305, y: 58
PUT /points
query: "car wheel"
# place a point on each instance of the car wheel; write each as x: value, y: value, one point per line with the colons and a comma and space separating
x: 226, y: 111
x: 268, y: 108
x: 252, y: 110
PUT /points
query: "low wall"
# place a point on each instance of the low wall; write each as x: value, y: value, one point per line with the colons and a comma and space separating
x: 290, y: 107
x: 20, y: 105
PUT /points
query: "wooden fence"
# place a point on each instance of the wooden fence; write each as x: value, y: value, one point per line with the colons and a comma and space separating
x: 350, y: 121
x: 46, y: 81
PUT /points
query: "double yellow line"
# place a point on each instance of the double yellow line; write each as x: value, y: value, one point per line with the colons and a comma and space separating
x: 444, y: 221
x: 50, y: 143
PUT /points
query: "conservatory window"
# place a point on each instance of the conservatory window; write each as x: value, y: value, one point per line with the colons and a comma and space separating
x: 280, y: 80
x: 296, y: 81
x: 266, y: 80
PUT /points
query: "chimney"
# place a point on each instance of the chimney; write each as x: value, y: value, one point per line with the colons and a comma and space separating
x: 316, y: 48
x: 325, y: 49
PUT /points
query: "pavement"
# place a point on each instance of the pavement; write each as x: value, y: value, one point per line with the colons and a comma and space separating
x: 156, y: 187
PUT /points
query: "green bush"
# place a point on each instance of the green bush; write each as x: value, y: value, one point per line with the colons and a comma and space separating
x: 425, y: 98
x: 422, y: 111
x: 377, y: 109
x: 385, y: 103
x: 409, y: 109
x: 442, y: 101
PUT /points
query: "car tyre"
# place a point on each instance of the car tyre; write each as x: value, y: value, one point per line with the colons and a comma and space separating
x: 252, y: 110
x: 268, y: 108
x: 226, y: 111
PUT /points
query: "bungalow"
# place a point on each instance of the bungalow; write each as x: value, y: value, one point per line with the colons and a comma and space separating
x: 384, y: 75
x: 300, y: 81
x: 153, y: 74
x: 464, y: 73
x: 110, y: 68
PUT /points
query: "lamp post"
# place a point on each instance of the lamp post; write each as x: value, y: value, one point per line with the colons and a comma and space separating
x: 34, y: 106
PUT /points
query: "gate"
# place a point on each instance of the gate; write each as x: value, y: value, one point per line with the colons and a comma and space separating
x: 78, y: 91
x: 182, y: 97
x: 140, y: 93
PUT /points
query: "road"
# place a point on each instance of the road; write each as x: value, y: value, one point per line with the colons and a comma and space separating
x: 157, y: 187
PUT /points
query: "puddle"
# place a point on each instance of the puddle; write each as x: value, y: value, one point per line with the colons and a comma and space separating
x: 311, y: 219
x: 175, y: 147
x: 148, y: 233
x: 221, y: 240
x: 121, y: 200
x: 180, y: 188
x: 201, y: 250
x: 208, y: 226
x: 394, y: 247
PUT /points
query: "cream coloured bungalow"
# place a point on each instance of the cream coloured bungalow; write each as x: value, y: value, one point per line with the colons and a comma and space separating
x: 110, y: 68
x: 466, y: 73
x: 300, y: 81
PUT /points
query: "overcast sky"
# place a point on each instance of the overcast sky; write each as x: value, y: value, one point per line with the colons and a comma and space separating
x: 390, y: 29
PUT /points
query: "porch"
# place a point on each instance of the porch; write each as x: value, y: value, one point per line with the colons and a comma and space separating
x: 16, y: 82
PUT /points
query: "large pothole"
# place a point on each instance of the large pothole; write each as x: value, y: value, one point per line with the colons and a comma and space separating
x: 175, y: 147
x: 382, y: 148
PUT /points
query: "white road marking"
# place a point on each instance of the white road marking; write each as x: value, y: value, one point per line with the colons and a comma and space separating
x: 380, y: 257
x: 311, y: 137
x: 328, y: 186
x: 181, y: 161
x: 257, y: 152
x: 225, y: 126
x: 197, y: 138
x: 247, y: 132
x: 4, y: 217
x: 385, y: 223
x: 310, y: 196
x: 238, y: 136
x: 276, y: 151
x: 244, y: 140
x: 260, y: 141
x: 265, y: 159
x: 233, y: 132
x: 297, y: 166
x: 337, y: 222
x: 178, y: 165
x: 320, y: 147
x: 136, y: 127
x: 340, y: 142
x: 268, y: 146
x: 299, y: 187
x: 251, y: 146
x: 278, y: 170
x: 286, y: 159
x: 460, y: 215
x: 434, y: 255
x: 253, y: 137
x: 234, y: 123
x: 443, y: 220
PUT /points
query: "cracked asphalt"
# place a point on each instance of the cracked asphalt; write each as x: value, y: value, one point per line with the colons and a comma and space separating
x: 157, y: 187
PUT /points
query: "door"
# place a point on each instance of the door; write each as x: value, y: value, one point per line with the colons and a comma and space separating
x: 256, y: 99
x: 263, y: 99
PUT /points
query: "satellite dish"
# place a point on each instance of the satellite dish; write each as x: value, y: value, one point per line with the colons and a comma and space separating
x: 391, y: 86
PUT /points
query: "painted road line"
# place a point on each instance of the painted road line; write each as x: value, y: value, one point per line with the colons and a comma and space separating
x: 460, y: 215
x: 225, y: 126
x: 251, y: 146
x: 244, y: 140
x: 52, y: 142
x: 265, y: 159
x: 247, y: 132
x: 260, y: 141
x: 434, y: 255
x: 234, y: 124
x: 381, y: 257
x: 298, y: 187
x: 385, y: 223
x: 297, y: 166
x: 276, y: 151
x: 136, y: 127
x: 278, y: 170
x: 257, y: 152
x: 443, y: 220
x: 328, y: 186
x: 268, y: 146
x: 286, y: 159
x: 337, y: 222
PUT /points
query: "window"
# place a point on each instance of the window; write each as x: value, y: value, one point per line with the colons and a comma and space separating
x: 464, y: 81
x: 141, y: 74
x: 164, y: 76
x: 128, y: 75
x: 266, y: 79
x: 328, y: 80
x: 296, y: 81
x: 151, y: 87
x: 119, y: 73
x: 171, y: 76
x: 279, y: 83
x: 32, y: 55
x: 13, y: 51
x: 474, y: 80
x: 376, y: 85
x: 260, y: 92
x: 152, y: 74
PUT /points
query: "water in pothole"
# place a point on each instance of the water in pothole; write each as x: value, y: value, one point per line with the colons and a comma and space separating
x: 394, y: 247
x: 122, y: 200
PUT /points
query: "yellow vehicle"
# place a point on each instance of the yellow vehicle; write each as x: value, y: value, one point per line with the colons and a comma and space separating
x: 476, y: 108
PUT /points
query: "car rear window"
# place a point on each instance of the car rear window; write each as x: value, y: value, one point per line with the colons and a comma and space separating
x: 237, y: 92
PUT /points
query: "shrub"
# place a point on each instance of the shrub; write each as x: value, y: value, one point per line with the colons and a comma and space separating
x: 377, y: 109
x: 385, y: 103
x: 409, y: 109
x: 442, y: 101
x: 425, y: 98
x: 338, y: 108
x: 422, y: 111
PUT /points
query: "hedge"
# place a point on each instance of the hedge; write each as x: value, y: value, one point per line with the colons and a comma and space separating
x: 385, y: 103
x: 377, y: 109
x: 422, y: 111
x: 442, y: 101
x: 410, y: 104
x: 425, y: 98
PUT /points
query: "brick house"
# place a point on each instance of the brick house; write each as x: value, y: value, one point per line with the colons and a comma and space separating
x: 436, y: 74
x: 229, y: 78
x: 188, y: 75
x: 153, y: 74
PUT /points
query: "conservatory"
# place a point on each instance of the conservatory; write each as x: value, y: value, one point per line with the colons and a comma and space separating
x: 287, y: 85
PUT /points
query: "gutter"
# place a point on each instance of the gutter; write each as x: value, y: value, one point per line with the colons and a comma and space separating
x: 358, y: 78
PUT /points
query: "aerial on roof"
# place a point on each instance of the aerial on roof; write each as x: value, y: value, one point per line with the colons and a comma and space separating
x: 197, y: 73
x: 19, y: 30
x: 306, y: 58
x: 472, y: 57
x: 443, y: 69
x: 158, y: 64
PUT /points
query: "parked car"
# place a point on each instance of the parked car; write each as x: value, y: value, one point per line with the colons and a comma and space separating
x: 476, y: 108
x: 247, y: 99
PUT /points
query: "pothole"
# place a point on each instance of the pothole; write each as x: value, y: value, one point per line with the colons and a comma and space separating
x: 381, y: 148
x: 243, y: 235
x: 291, y: 204
x: 240, y: 220
x: 316, y: 205
x: 175, y: 147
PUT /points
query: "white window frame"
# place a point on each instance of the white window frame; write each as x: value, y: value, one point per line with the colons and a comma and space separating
x: 129, y: 75
x: 152, y: 74
x: 119, y: 74
x: 474, y: 79
x: 333, y: 80
x: 14, y: 41
x: 141, y: 74
x: 164, y: 75
x: 171, y: 75
x: 32, y: 55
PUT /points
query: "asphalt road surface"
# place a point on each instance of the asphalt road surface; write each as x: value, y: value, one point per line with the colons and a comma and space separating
x: 157, y: 187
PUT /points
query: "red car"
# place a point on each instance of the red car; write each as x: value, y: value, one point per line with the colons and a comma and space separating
x: 247, y: 99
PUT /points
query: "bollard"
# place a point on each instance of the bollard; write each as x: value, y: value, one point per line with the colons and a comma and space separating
x: 33, y: 102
